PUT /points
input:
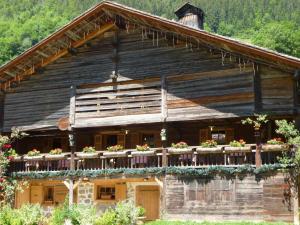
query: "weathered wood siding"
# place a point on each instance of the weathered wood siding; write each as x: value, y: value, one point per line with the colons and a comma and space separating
x: 200, y: 85
x: 277, y: 91
x: 228, y: 200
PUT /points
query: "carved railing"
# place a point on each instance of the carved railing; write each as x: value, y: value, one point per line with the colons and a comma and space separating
x: 189, y: 157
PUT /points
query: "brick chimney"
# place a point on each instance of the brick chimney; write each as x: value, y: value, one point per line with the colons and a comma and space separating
x: 191, y: 16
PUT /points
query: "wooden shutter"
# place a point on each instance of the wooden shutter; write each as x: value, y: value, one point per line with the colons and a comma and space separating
x: 204, y: 135
x: 60, y: 193
x: 36, y: 195
x: 22, y: 197
x: 121, y: 139
x: 121, y: 190
x: 134, y: 139
x: 157, y: 140
x: 229, y: 133
x: 98, y: 142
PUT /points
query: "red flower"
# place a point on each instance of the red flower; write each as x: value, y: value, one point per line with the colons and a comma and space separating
x: 10, y: 158
x: 2, y: 180
x: 7, y: 146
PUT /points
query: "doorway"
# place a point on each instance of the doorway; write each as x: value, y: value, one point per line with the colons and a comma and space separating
x: 148, y: 198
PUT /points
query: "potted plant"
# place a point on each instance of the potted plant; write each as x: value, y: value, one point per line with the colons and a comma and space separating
x: 143, y: 150
x: 115, y: 151
x: 87, y: 152
x: 56, y: 153
x: 209, y: 146
x: 275, y: 144
x: 179, y: 148
x: 236, y: 146
x: 34, y: 154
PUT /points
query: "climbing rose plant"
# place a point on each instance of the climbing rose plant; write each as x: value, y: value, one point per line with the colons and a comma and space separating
x: 8, y: 185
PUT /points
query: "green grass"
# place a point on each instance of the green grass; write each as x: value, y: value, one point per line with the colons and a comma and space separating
x: 212, y: 223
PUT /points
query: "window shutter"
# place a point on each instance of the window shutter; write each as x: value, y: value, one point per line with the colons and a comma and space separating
x: 134, y: 139
x: 98, y: 142
x: 204, y: 135
x: 157, y: 140
x: 229, y: 135
x: 121, y: 190
x: 60, y: 193
x: 121, y: 139
x: 36, y: 194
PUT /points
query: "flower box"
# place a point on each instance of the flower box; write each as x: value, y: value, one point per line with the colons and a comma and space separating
x: 33, y: 158
x: 55, y: 157
x: 205, y: 150
x: 280, y: 147
x: 115, y: 154
x: 143, y: 153
x: 178, y: 151
x: 87, y: 155
x: 17, y: 158
x: 237, y: 149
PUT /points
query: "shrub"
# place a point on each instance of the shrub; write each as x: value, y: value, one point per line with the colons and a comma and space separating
x: 107, y: 218
x: 26, y: 215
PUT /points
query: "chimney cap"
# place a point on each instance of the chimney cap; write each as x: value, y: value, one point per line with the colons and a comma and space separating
x: 188, y: 8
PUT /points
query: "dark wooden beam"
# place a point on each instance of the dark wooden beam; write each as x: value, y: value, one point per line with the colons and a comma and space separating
x: 257, y: 89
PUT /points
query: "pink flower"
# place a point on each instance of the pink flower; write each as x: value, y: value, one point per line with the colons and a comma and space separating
x: 10, y: 158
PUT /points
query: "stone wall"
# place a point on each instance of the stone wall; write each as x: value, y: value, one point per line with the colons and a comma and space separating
x: 86, y: 193
x: 221, y: 199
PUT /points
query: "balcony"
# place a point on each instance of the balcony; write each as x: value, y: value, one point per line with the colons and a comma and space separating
x: 190, y: 157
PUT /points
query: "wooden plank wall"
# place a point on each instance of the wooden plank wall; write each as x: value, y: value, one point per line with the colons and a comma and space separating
x: 200, y: 84
x: 227, y: 200
x: 277, y: 91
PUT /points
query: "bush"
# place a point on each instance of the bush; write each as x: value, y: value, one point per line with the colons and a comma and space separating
x: 107, y: 218
x: 77, y: 214
x: 125, y: 213
x: 26, y: 215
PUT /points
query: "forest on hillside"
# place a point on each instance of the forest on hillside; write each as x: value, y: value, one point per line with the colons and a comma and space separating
x: 274, y: 24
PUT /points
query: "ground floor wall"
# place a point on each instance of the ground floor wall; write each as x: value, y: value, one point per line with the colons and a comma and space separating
x: 174, y: 197
x: 220, y: 199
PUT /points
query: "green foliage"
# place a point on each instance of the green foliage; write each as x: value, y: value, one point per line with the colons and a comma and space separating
x: 257, y: 122
x: 289, y: 131
x: 107, y: 218
x: 77, y: 214
x: 205, y: 173
x: 26, y: 215
x: 125, y: 213
x: 213, y: 223
x: 269, y: 23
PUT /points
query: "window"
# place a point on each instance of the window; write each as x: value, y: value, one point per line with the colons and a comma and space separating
x: 49, y: 194
x: 219, y: 136
x: 111, y: 140
x: 106, y: 193
x: 56, y: 143
x: 149, y: 140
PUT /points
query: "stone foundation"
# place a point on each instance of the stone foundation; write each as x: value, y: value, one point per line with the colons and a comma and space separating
x: 86, y: 193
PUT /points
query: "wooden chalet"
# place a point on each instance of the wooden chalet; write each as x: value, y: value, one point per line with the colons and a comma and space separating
x: 119, y: 76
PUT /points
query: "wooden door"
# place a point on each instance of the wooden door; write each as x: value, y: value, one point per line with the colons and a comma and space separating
x: 36, y: 194
x: 148, y: 198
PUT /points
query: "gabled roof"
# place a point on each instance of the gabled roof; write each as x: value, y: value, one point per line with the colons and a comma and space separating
x: 108, y: 15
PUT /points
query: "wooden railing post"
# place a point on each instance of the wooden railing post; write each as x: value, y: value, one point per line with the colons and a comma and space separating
x: 258, y: 160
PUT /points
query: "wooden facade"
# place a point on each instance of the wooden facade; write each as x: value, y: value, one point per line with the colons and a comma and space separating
x: 128, y: 75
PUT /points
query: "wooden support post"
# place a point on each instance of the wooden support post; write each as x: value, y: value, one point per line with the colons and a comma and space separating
x: 257, y: 89
x: 258, y: 161
x: 164, y: 114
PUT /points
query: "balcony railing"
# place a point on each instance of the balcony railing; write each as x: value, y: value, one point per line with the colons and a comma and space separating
x: 189, y: 157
